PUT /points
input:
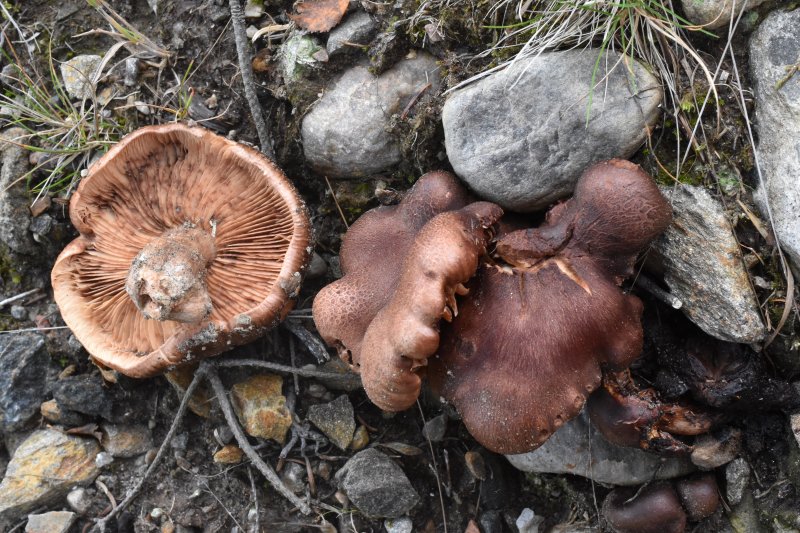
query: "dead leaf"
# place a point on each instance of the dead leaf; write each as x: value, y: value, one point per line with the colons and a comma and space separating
x: 401, y: 448
x: 319, y: 16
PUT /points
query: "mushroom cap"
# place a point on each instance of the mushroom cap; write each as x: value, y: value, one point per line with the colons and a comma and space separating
x: 371, y: 258
x: 699, y: 495
x: 653, y: 509
x: 527, y: 346
x: 159, y: 178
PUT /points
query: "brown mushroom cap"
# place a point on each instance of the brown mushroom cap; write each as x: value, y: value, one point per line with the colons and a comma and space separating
x: 222, y: 234
x: 653, y: 509
x: 528, y: 344
x: 699, y: 495
x: 372, y: 255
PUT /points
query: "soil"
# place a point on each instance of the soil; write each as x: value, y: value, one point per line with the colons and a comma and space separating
x: 190, y: 491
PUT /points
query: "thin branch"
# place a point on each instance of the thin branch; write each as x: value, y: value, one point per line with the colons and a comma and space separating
x: 245, y: 66
x: 241, y: 439
x: 176, y: 422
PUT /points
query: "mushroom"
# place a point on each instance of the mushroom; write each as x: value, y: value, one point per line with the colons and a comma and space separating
x: 662, y: 507
x: 189, y: 244
x: 527, y: 346
x: 403, y: 266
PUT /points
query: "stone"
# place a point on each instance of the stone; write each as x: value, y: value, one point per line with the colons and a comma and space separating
x: 52, y: 522
x: 253, y: 9
x: 43, y: 469
x: 714, y: 14
x: 103, y: 460
x: 14, y: 213
x: 83, y: 394
x: 774, y: 48
x: 296, y: 57
x: 574, y: 527
x: 336, y: 420
x: 376, y: 485
x: 78, y: 73
x: 317, y: 267
x: 180, y: 379
x: 24, y: 363
x: 126, y: 440
x: 229, y: 454
x: 346, y: 134
x: 579, y: 449
x: 261, y: 407
x: 399, y: 525
x: 293, y: 476
x: 703, y: 267
x: 528, y: 521
x: 356, y: 29
x: 346, y: 380
x: 79, y: 500
x: 19, y: 312
x: 360, y: 438
x: 521, y: 137
x: 712, y: 450
x: 737, y: 475
x: 51, y: 412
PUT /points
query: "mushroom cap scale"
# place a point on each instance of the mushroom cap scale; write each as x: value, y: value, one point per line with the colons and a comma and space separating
x: 157, y: 179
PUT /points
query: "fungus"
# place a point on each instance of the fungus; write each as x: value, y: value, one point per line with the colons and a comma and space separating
x: 529, y: 341
x: 189, y: 244
x: 371, y: 257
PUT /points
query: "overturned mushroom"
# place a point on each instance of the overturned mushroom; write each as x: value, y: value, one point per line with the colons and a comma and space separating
x: 189, y: 244
x: 529, y: 342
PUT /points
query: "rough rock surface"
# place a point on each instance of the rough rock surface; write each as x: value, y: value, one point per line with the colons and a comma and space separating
x: 716, y: 13
x: 520, y: 137
x: 358, y: 28
x: 774, y: 47
x: 44, y: 467
x: 335, y: 419
x: 14, y: 214
x: 52, y: 522
x: 577, y: 448
x: 703, y: 267
x: 23, y: 368
x: 346, y: 134
x: 376, y: 485
x: 261, y: 407
x: 126, y: 440
x: 78, y: 73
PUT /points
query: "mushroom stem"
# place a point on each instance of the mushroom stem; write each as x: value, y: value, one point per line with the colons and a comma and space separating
x: 167, y: 279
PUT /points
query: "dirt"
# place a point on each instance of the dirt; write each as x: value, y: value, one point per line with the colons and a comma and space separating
x: 190, y: 491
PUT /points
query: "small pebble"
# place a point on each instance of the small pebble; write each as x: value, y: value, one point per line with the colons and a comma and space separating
x: 528, y: 522
x: 360, y: 438
x: 19, y: 312
x: 229, y: 454
x: 399, y: 525
x: 324, y: 470
x: 103, y: 459
x: 475, y: 465
x: 293, y: 476
x: 435, y: 428
x: 79, y: 500
x: 223, y: 435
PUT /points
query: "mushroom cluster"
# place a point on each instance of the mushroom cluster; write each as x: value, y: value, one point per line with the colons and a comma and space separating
x: 530, y: 315
x: 189, y: 244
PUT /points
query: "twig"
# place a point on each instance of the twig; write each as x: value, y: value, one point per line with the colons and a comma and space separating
x: 335, y: 201
x: 17, y: 297
x: 198, y: 375
x: 241, y: 439
x: 435, y: 470
x: 276, y: 367
x: 254, y: 490
x: 245, y: 66
x: 312, y: 342
x: 651, y: 287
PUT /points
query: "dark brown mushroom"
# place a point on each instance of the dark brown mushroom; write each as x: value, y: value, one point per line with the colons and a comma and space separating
x: 699, y: 495
x: 529, y: 342
x: 189, y: 244
x: 652, y: 509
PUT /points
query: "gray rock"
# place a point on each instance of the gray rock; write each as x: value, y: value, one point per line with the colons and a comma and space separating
x: 77, y: 74
x: 737, y: 475
x: 253, y: 9
x: 335, y: 419
x: 296, y: 57
x: 43, y: 469
x: 293, y: 476
x: 577, y: 448
x: 52, y: 522
x: 703, y: 267
x: 83, y: 394
x: 317, y: 268
x: 528, y: 521
x: 521, y: 138
x: 774, y: 47
x: 491, y: 522
x: 715, y: 13
x: 79, y: 500
x: 346, y: 134
x: 399, y: 525
x: 14, y: 214
x: 23, y: 369
x: 19, y: 312
x: 376, y: 485
x: 358, y: 28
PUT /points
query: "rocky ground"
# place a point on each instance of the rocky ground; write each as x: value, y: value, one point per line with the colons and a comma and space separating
x: 357, y: 112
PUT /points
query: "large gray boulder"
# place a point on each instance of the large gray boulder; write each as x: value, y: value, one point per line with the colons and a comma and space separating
x: 522, y: 137
x: 347, y: 133
x: 774, y: 48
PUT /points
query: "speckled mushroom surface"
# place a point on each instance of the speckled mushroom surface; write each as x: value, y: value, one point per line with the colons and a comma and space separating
x: 189, y: 244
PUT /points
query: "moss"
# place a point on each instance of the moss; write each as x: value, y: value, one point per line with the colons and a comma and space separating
x: 8, y: 272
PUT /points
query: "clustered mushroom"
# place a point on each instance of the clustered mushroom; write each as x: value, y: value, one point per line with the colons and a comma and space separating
x: 189, y: 244
x: 545, y: 302
x: 662, y: 507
